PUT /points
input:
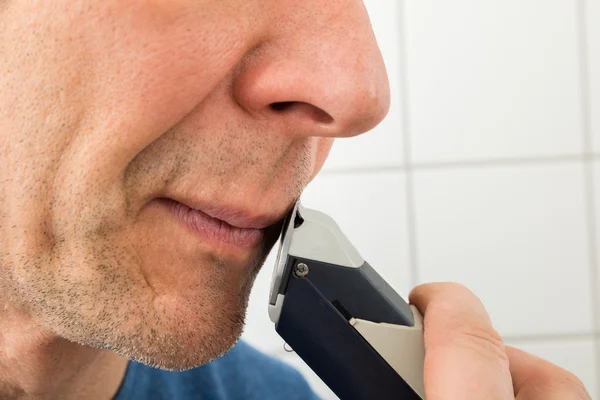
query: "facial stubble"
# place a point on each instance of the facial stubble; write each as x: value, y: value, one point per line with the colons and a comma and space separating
x: 108, y: 308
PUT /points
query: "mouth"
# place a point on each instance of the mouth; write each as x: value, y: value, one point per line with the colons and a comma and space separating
x: 221, y: 227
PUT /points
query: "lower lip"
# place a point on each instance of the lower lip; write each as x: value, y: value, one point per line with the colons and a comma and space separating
x: 214, y: 230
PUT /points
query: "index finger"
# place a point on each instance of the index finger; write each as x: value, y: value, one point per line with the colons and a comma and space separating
x: 465, y: 357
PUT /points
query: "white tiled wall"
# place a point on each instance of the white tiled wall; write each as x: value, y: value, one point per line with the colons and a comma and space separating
x: 510, y: 233
x: 484, y: 75
x: 482, y: 173
x: 593, y: 48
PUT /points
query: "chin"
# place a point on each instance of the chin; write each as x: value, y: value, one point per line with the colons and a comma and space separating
x: 184, y: 334
x: 175, y: 354
x: 183, y: 340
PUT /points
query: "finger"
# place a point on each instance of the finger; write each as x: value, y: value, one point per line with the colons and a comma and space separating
x: 538, y: 379
x: 464, y: 355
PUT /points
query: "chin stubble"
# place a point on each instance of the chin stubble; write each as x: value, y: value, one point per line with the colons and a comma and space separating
x: 115, y: 313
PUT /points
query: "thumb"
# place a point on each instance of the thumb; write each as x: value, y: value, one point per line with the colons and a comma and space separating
x: 464, y: 355
x: 534, y: 378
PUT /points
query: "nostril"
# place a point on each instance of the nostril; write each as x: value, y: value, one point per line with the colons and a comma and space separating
x: 282, y: 105
x: 302, y: 109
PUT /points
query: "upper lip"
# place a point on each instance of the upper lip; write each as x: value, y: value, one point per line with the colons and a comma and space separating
x: 237, y: 217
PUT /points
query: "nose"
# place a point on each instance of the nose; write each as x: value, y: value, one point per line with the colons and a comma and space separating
x: 318, y: 71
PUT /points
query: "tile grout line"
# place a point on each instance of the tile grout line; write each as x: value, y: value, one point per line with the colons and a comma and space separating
x: 411, y: 219
x: 365, y: 170
x: 492, y: 163
x: 499, y: 162
x: 556, y: 337
x: 589, y: 174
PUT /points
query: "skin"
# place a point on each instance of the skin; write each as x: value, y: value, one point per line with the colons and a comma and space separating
x: 466, y: 359
x: 108, y: 107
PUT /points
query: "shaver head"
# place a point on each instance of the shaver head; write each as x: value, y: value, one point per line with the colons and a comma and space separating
x: 310, y: 235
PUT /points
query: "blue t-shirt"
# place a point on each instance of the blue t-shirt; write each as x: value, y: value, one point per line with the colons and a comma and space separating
x: 242, y: 374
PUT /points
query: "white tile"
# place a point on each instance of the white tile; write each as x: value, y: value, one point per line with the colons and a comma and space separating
x: 383, y: 146
x: 593, y: 39
x: 516, y: 235
x: 370, y: 208
x: 317, y: 385
x: 492, y: 79
x: 577, y: 356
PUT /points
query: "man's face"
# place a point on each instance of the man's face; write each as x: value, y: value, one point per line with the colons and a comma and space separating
x: 119, y: 119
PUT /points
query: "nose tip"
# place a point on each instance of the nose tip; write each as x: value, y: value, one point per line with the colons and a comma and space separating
x: 332, y: 82
x: 361, y: 101
x: 325, y: 100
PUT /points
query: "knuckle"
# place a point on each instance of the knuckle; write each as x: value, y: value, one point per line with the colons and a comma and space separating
x: 483, y: 339
x: 456, y: 286
x: 447, y: 288
x: 475, y: 337
x: 446, y: 298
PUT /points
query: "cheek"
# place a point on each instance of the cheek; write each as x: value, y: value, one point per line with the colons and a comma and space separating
x: 140, y: 67
x: 151, y: 65
x: 99, y: 82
